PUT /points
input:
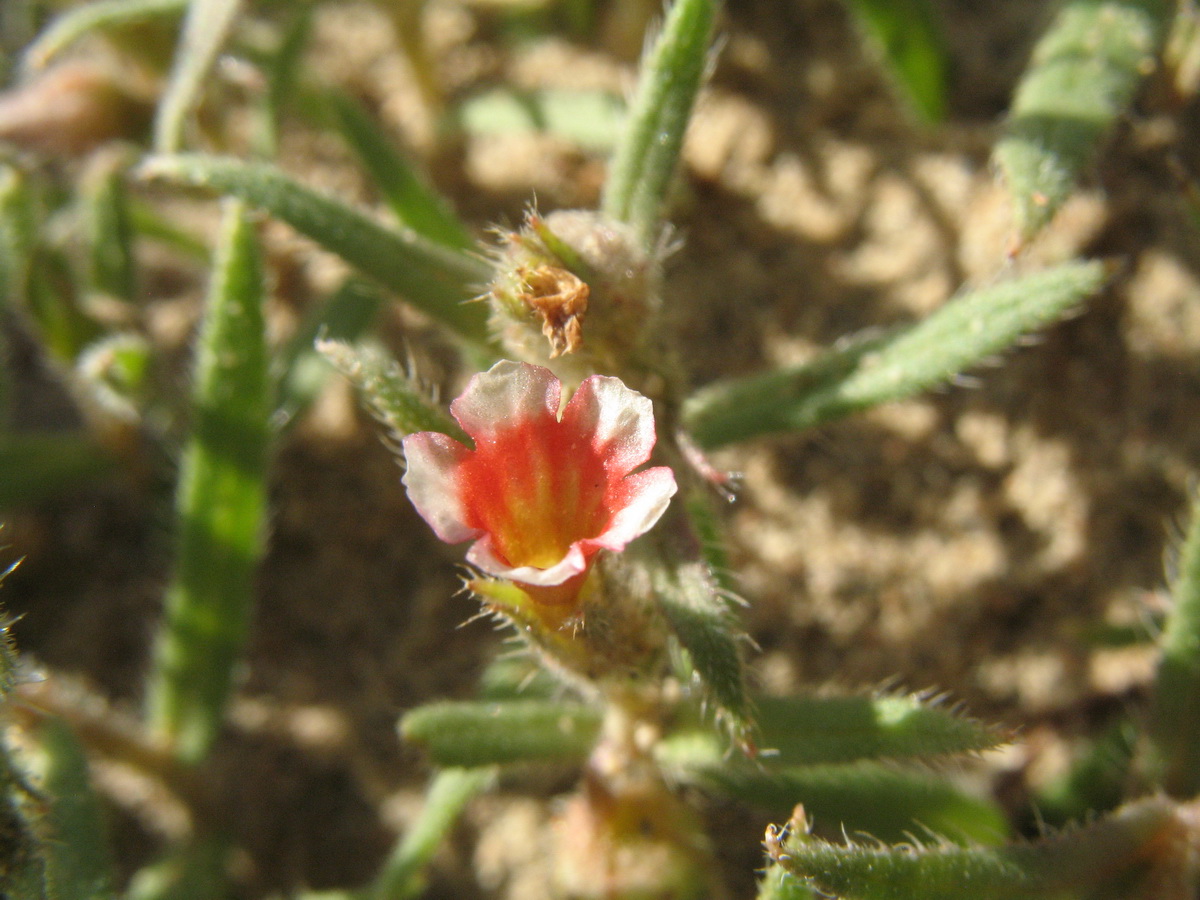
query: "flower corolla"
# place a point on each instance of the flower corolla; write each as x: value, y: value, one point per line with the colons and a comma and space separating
x: 541, y: 493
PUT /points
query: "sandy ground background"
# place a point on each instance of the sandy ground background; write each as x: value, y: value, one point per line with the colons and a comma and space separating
x: 968, y: 541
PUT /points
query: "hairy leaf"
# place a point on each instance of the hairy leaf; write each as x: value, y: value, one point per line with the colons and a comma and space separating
x: 804, y: 730
x: 648, y: 152
x: 220, y: 505
x: 392, y: 396
x: 1081, y: 77
x: 476, y: 733
x: 869, y: 371
x: 1109, y: 854
x: 432, y: 278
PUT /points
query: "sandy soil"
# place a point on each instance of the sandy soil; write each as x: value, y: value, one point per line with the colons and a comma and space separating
x: 965, y: 541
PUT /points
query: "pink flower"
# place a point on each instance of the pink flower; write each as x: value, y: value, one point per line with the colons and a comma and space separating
x: 540, y: 494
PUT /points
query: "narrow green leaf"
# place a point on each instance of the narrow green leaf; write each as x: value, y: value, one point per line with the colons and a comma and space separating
x: 1176, y: 722
x: 908, y: 33
x: 1071, y: 864
x: 205, y: 30
x: 415, y: 204
x: 36, y: 468
x: 648, y: 153
x: 393, y: 397
x: 805, y: 730
x: 283, y: 73
x: 18, y: 235
x: 869, y: 371
x: 1081, y: 76
x: 53, y: 302
x: 703, y: 622
x: 78, y: 21
x: 434, y: 279
x: 221, y: 504
x: 111, y: 266
x: 78, y: 860
x: 449, y: 792
x: 871, y: 798
x: 472, y: 733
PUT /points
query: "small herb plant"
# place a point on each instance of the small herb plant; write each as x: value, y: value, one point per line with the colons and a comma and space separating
x: 576, y: 464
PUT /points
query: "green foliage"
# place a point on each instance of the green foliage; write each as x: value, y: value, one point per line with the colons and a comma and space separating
x: 111, y: 270
x: 1096, y: 781
x: 221, y: 504
x: 908, y: 33
x: 78, y: 860
x: 703, y: 622
x: 414, y: 204
x: 885, y: 802
x: 1082, y: 75
x: 1105, y: 858
x: 18, y: 233
x: 392, y: 396
x: 449, y: 791
x: 283, y: 72
x: 1176, y: 722
x: 874, y: 369
x: 205, y: 30
x: 79, y: 21
x: 647, y: 155
x: 22, y: 854
x: 474, y: 733
x: 433, y: 278
x: 803, y: 730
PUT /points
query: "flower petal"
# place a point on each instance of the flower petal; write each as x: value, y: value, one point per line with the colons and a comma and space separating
x: 619, y: 420
x: 431, y: 479
x: 645, y: 497
x: 483, y: 555
x: 506, y: 394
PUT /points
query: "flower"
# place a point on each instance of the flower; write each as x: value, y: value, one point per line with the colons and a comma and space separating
x: 540, y: 494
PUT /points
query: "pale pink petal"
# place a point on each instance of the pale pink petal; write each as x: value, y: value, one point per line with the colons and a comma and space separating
x: 430, y: 477
x: 649, y: 494
x: 619, y: 420
x: 483, y: 555
x: 507, y: 393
